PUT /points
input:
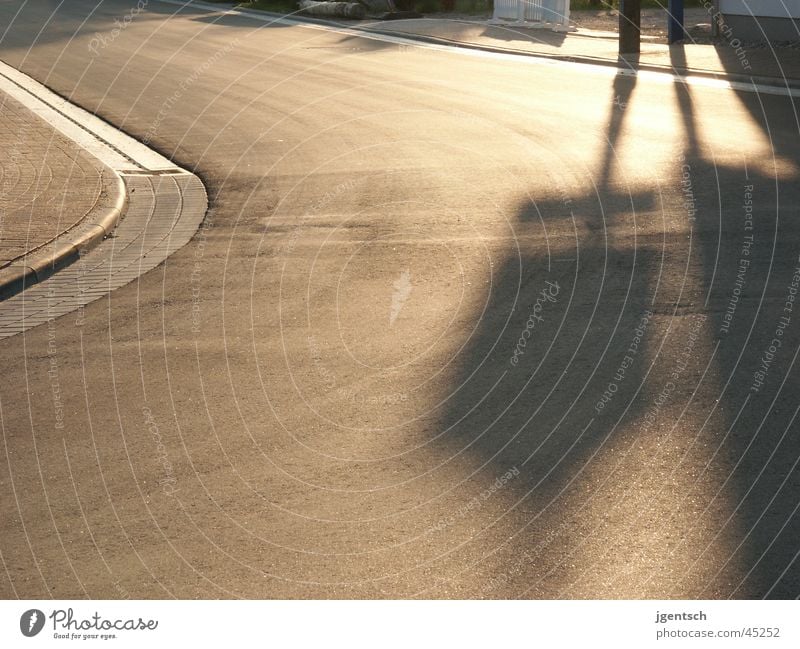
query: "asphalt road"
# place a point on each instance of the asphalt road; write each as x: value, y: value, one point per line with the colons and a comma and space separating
x: 379, y: 368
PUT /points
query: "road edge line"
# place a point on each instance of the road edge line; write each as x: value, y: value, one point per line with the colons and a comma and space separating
x: 732, y: 81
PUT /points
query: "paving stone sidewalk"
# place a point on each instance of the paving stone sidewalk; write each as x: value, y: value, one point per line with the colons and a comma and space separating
x: 779, y: 64
x: 593, y: 38
x: 48, y: 184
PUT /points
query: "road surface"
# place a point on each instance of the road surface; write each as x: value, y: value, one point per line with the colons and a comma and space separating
x: 454, y: 327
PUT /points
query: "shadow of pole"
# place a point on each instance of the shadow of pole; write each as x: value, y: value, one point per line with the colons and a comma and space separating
x: 668, y: 472
x: 746, y: 239
x: 558, y: 394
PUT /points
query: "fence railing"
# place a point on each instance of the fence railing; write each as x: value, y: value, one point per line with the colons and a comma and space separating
x: 545, y: 13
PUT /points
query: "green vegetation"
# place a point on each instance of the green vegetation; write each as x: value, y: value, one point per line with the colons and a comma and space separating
x: 473, y: 6
x: 275, y: 6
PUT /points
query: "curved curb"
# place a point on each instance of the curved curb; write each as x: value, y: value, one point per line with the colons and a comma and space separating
x: 29, y: 270
x: 157, y: 209
x: 163, y: 213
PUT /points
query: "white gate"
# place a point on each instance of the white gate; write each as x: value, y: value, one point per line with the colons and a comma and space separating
x: 533, y: 13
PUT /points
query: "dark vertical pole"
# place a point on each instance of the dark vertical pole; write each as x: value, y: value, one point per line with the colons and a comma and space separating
x: 715, y: 19
x: 675, y: 29
x: 630, y: 23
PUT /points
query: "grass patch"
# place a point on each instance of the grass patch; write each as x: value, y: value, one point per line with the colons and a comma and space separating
x: 275, y: 6
x: 473, y: 6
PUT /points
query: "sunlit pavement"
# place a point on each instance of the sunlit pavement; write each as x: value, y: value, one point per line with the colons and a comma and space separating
x: 729, y: 58
x: 453, y: 327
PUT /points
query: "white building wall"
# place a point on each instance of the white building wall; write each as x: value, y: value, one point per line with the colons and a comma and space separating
x: 758, y: 8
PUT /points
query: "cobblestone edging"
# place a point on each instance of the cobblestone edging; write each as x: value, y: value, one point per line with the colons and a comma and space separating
x: 66, y: 248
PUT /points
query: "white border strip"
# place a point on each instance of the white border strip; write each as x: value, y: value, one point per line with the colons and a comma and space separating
x: 111, y: 146
x: 400, y: 624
